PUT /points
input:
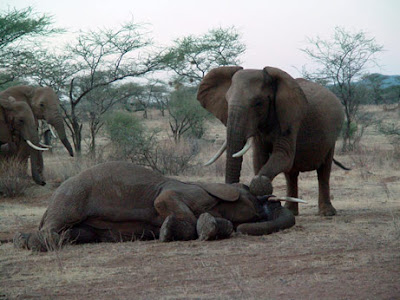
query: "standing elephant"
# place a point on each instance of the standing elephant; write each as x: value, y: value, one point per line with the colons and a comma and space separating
x: 45, y: 106
x: 292, y: 125
x: 19, y: 136
x: 119, y: 201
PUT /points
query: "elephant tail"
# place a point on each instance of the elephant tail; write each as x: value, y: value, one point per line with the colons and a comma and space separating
x: 341, y: 165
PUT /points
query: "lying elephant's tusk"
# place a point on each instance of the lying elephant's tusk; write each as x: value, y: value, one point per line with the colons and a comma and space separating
x: 217, y: 155
x: 245, y: 148
x: 45, y: 146
x: 35, y: 147
x: 52, y: 132
x: 287, y: 199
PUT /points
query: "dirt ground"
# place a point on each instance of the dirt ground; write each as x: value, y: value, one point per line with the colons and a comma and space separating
x: 354, y: 255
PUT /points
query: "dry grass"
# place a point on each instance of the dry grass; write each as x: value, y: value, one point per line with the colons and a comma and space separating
x: 353, y: 255
x: 13, y: 178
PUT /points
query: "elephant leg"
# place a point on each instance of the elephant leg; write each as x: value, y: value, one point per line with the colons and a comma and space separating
x: 41, y: 241
x: 82, y: 234
x: 261, y: 155
x: 212, y: 228
x: 180, y: 222
x: 292, y: 190
x: 325, y: 206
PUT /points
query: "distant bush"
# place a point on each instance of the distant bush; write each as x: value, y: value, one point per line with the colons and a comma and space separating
x: 129, y: 137
x: 13, y: 178
x: 131, y: 141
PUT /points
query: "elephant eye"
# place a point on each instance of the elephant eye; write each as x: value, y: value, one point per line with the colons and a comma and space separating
x: 41, y: 105
x: 258, y: 103
x: 21, y: 121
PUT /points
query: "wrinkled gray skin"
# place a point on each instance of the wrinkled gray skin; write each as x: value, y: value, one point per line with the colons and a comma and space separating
x: 119, y: 201
x: 294, y: 125
x: 45, y: 106
x: 17, y: 125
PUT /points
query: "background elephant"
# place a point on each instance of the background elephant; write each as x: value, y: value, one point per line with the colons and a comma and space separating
x: 45, y: 106
x: 19, y: 137
x: 119, y: 201
x: 293, y: 126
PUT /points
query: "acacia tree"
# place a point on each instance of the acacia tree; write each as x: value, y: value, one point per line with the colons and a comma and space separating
x: 191, y: 57
x: 185, y: 114
x: 98, y: 103
x: 105, y: 57
x: 341, y: 61
x: 17, y: 30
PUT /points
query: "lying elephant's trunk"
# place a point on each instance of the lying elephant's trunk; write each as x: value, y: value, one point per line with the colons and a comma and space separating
x: 283, y: 219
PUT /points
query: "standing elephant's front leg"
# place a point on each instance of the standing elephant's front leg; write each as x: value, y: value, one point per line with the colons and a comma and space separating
x: 180, y: 222
x: 280, y: 160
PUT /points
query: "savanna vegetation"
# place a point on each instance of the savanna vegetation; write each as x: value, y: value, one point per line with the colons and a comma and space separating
x: 124, y: 97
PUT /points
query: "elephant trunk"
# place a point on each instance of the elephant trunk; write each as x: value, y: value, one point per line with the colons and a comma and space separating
x: 236, y: 138
x: 36, y: 162
x: 59, y: 126
x: 283, y: 219
x: 31, y: 138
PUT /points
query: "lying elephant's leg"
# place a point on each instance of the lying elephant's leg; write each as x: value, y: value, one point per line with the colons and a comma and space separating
x: 212, y: 228
x: 82, y: 234
x: 180, y: 222
x: 38, y: 241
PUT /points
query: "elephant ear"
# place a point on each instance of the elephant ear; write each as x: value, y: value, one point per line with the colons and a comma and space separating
x: 212, y: 91
x: 8, y: 104
x: 290, y: 100
x: 222, y: 191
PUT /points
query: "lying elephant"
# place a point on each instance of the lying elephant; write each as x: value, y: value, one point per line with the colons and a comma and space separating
x: 119, y: 201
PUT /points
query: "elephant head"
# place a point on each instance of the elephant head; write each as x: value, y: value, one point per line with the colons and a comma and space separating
x: 45, y: 105
x: 264, y: 106
x: 18, y: 122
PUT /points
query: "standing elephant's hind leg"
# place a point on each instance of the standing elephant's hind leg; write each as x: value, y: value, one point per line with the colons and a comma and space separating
x: 180, y: 222
x: 325, y: 206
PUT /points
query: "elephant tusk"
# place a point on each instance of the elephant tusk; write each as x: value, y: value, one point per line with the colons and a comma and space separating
x: 45, y: 146
x: 217, y: 155
x: 35, y: 147
x: 245, y: 148
x: 287, y: 199
x: 52, y: 132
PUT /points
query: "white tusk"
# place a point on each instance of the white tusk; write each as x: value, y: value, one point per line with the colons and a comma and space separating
x: 52, y: 131
x: 245, y: 148
x: 35, y: 147
x: 45, y: 146
x: 288, y: 199
x: 217, y: 155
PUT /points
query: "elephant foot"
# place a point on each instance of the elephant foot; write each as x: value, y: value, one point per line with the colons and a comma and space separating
x: 293, y: 207
x: 260, y: 186
x: 41, y: 241
x: 327, y: 210
x: 174, y: 229
x: 210, y: 228
x: 166, y: 229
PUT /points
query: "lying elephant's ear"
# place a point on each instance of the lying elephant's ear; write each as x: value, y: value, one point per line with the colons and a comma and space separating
x: 212, y: 91
x: 222, y: 191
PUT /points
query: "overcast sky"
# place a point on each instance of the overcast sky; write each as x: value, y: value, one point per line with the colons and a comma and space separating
x: 273, y: 31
